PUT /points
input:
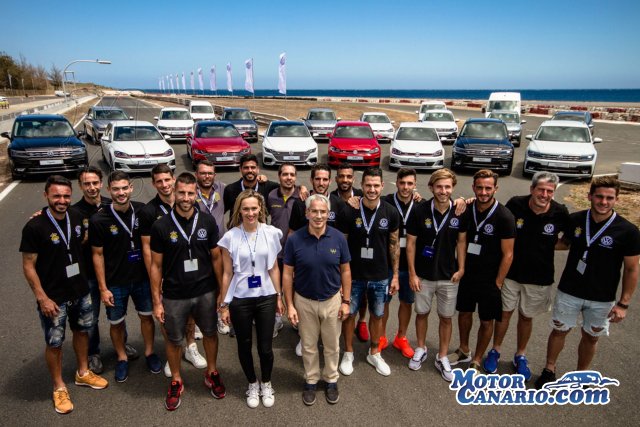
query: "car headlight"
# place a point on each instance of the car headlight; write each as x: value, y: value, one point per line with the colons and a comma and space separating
x: 397, y: 152
x: 535, y: 154
x: 374, y: 150
x: 506, y: 151
x: 437, y: 153
x: 197, y: 151
x: 121, y: 155
x: 267, y: 150
x: 310, y: 151
x: 18, y: 153
x: 459, y: 149
x: 78, y: 150
x: 162, y: 128
x: 334, y: 149
x: 586, y: 157
x: 168, y: 153
x: 245, y: 151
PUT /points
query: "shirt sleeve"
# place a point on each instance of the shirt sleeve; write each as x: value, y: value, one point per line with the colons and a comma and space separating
x: 342, y: 217
x: 29, y: 242
x: 508, y: 225
x: 394, y: 219
x: 345, y: 255
x: 225, y: 241
x: 156, y: 238
x: 632, y: 248
x: 289, y: 251
x: 96, y: 237
x: 213, y: 233
x: 413, y: 222
x: 296, y: 221
x: 146, y: 220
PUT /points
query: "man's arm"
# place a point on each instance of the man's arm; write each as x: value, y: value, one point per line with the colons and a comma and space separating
x: 506, y: 246
x: 155, y: 276
x: 98, y: 264
x: 414, y: 281
x: 630, y: 271
x: 226, y: 281
x: 461, y: 252
x: 47, y: 306
x: 345, y: 279
x: 218, y: 267
x: 146, y: 252
x: 394, y: 253
x: 287, y: 290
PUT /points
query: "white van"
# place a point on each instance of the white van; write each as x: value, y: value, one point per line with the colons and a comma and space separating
x: 503, y: 101
x: 201, y: 110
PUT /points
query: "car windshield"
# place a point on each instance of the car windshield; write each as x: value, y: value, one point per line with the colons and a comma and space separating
x: 417, y: 134
x: 484, y: 130
x: 438, y: 117
x: 111, y: 115
x: 427, y: 107
x: 321, y: 115
x: 297, y: 130
x: 202, y: 109
x: 503, y: 105
x: 575, y: 117
x: 136, y: 133
x: 175, y: 115
x: 237, y: 115
x: 43, y: 129
x: 505, y: 117
x: 216, y: 132
x: 375, y: 118
x: 360, y: 132
x: 563, y: 134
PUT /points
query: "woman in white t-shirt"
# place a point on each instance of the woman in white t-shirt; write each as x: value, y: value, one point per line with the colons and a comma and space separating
x: 251, y: 288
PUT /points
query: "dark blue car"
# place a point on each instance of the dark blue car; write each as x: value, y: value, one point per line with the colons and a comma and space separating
x: 483, y: 144
x: 243, y: 121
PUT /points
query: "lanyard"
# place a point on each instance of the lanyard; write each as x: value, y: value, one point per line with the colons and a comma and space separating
x: 435, y: 222
x: 475, y: 220
x: 252, y: 253
x: 404, y: 217
x: 66, y: 239
x: 242, y: 186
x: 164, y: 210
x: 133, y: 222
x: 181, y: 230
x: 587, y: 233
x: 211, y: 200
x: 367, y: 227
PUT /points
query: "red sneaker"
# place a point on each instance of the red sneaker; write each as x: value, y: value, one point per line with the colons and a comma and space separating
x: 403, y: 345
x: 172, y: 402
x: 362, y: 332
x: 214, y: 382
x: 383, y: 343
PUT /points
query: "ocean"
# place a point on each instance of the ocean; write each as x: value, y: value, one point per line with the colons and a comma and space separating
x: 579, y: 95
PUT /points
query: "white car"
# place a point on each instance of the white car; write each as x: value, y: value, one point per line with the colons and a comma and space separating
x: 201, y: 110
x: 135, y: 146
x: 417, y: 145
x: 445, y: 122
x: 288, y: 142
x: 429, y: 105
x: 174, y: 122
x: 381, y: 125
x: 563, y: 147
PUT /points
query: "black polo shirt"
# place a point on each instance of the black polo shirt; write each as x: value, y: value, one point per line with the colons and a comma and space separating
x: 338, y: 215
x: 444, y: 262
x: 604, y: 259
x: 106, y: 232
x: 390, y: 198
x: 166, y: 239
x: 87, y: 210
x: 385, y: 222
x: 151, y: 212
x: 356, y: 193
x: 536, y: 237
x: 40, y: 236
x: 483, y: 268
x: 233, y: 190
x: 316, y: 262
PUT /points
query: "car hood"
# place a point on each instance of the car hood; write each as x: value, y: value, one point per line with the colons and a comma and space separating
x: 290, y: 143
x: 141, y: 147
x: 242, y: 122
x: 100, y: 124
x: 175, y: 123
x: 465, y: 141
x: 514, y: 126
x: 354, y: 143
x: 562, y: 148
x: 39, y: 143
x: 381, y: 127
x: 218, y: 145
x: 423, y: 147
x: 445, y: 125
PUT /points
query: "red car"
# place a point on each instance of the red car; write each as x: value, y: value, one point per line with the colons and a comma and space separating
x: 218, y: 142
x: 353, y: 142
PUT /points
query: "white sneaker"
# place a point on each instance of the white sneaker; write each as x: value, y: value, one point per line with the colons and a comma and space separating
x: 197, y: 334
x: 253, y: 395
x: 278, y: 325
x: 167, y: 370
x: 346, y: 366
x: 378, y: 362
x: 266, y: 391
x: 419, y: 356
x: 223, y: 328
x: 192, y: 355
x: 444, y: 367
x: 299, y: 348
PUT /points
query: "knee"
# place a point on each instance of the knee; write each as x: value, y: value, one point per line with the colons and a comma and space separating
x: 445, y: 320
x: 592, y: 334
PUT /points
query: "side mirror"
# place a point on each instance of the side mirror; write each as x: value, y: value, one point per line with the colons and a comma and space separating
x: 393, y: 122
x: 597, y: 140
x: 130, y: 117
x: 329, y: 135
x: 167, y: 138
x: 81, y: 134
x: 339, y: 118
x: 104, y: 139
x: 523, y: 122
x: 155, y: 118
x: 529, y: 137
x: 417, y: 111
x: 483, y: 109
x: 262, y: 135
x: 5, y: 135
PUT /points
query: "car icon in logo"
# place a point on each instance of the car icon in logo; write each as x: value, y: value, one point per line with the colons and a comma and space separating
x: 577, y: 379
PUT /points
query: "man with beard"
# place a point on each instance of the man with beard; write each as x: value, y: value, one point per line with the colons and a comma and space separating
x: 53, y: 266
x: 250, y: 172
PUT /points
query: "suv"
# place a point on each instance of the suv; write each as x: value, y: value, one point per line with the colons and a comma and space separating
x: 380, y: 124
x: 563, y: 147
x: 201, y: 110
x: 243, y: 121
x: 483, y: 144
x: 429, y: 105
x: 445, y: 124
x: 174, y: 122
x: 320, y: 122
x: 578, y: 116
x: 513, y: 122
x: 288, y: 142
x: 44, y: 144
x: 98, y: 117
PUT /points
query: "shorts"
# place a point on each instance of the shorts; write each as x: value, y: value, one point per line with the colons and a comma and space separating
x: 376, y: 295
x: 595, y: 314
x: 80, y: 315
x: 446, y: 293
x: 139, y: 292
x: 177, y: 311
x: 486, y: 296
x: 531, y: 300
x: 405, y: 293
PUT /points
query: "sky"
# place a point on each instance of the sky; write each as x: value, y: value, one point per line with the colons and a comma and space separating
x: 560, y: 44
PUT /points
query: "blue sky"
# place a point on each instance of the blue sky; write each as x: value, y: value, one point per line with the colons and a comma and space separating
x: 337, y: 44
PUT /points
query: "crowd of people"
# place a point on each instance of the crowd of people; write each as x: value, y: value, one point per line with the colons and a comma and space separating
x: 322, y: 260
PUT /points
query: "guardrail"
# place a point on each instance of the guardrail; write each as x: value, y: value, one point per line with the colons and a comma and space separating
x: 15, y: 114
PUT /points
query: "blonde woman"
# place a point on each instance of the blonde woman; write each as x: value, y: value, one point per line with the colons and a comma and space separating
x: 251, y: 288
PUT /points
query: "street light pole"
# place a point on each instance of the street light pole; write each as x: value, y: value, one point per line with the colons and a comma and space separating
x: 64, y: 72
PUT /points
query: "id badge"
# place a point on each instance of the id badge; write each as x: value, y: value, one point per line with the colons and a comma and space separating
x: 134, y: 256
x: 190, y: 265
x: 474, y: 248
x: 254, y: 282
x: 366, y: 253
x: 428, y: 252
x: 582, y: 266
x: 403, y: 242
x: 73, y: 270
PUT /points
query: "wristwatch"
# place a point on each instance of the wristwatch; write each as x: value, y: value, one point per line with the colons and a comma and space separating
x: 224, y: 305
x: 346, y: 301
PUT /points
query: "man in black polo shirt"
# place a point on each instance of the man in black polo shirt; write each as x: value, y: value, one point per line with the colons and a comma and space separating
x: 374, y: 246
x: 490, y: 236
x: 316, y: 266
x: 528, y: 286
x: 250, y: 180
x: 601, y: 242
x: 53, y: 266
x: 114, y: 234
x: 185, y: 271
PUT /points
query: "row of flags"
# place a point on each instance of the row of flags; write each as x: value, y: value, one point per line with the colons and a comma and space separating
x: 163, y: 81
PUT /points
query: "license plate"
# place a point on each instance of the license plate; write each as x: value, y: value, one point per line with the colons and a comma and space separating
x: 562, y: 165
x: 291, y: 157
x: 414, y: 160
x: 355, y: 158
x: 482, y: 159
x: 148, y: 162
x: 316, y: 134
x: 51, y: 162
x: 176, y: 132
x: 224, y: 159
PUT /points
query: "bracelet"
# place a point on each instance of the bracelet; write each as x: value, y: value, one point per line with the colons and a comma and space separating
x: 223, y: 305
x: 621, y: 305
x: 346, y: 301
x: 279, y: 294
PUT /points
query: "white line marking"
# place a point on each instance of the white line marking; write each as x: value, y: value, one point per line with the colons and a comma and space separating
x: 7, y: 190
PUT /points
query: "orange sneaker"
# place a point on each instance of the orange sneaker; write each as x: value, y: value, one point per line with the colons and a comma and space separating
x: 62, y: 401
x: 403, y: 345
x: 383, y: 343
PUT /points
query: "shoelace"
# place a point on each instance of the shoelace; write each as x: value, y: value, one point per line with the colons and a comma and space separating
x: 174, y: 390
x: 254, y: 391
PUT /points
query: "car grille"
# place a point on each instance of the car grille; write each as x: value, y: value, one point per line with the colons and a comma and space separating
x: 50, y: 153
x: 557, y: 157
x: 146, y: 156
x: 442, y: 130
x: 481, y: 151
x: 281, y: 155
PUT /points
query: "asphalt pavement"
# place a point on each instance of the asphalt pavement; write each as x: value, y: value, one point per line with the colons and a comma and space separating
x: 404, y: 398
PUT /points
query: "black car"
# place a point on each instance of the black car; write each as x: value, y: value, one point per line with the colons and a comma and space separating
x: 243, y: 121
x: 483, y: 144
x: 44, y: 144
x: 98, y: 117
x: 578, y: 116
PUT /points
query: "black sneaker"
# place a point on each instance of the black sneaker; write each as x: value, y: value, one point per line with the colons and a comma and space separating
x: 131, y: 352
x: 309, y: 394
x: 546, y: 376
x: 331, y: 393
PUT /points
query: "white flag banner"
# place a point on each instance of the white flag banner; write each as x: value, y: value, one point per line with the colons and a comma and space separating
x: 160, y: 83
x: 171, y: 82
x: 193, y: 85
x: 248, y: 81
x: 212, y: 79
x: 282, y: 74
x: 200, y: 82
x: 178, y: 82
x: 184, y: 82
x: 229, y: 79
x: 10, y: 84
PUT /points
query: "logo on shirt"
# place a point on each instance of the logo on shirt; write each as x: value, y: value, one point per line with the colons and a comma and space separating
x: 454, y: 223
x: 158, y: 217
x: 55, y: 238
x: 358, y: 222
x: 85, y: 223
x: 549, y: 228
x: 333, y: 251
x: 136, y: 223
x: 216, y: 196
x: 113, y: 229
x: 427, y: 222
x: 520, y: 223
x: 577, y: 232
x: 78, y: 230
x: 202, y: 234
x: 384, y: 223
x: 332, y: 217
x: 606, y: 241
x: 173, y: 236
x: 488, y: 229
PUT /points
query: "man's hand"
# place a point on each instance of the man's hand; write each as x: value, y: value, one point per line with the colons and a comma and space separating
x: 461, y: 205
x: 158, y: 312
x: 303, y: 192
x: 49, y: 308
x: 457, y: 276
x: 416, y: 196
x: 394, y: 286
x: 617, y: 314
x: 262, y: 178
x: 280, y: 306
x: 499, y: 285
x: 107, y: 298
x: 225, y: 316
x: 414, y: 283
x: 292, y: 314
x: 344, y: 312
x: 354, y: 202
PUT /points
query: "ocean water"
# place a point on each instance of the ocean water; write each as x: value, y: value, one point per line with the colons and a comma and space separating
x: 584, y: 95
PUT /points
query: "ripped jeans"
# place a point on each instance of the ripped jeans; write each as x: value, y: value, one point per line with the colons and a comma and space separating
x: 595, y: 314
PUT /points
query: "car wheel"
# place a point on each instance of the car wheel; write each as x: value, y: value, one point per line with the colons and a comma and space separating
x: 86, y: 135
x: 508, y: 170
x: 454, y: 167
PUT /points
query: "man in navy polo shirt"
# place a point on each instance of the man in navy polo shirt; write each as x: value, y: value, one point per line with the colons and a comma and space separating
x: 319, y: 256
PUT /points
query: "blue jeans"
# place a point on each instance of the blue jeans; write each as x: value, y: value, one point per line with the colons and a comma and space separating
x: 405, y: 293
x: 139, y: 292
x: 80, y: 315
x: 376, y: 295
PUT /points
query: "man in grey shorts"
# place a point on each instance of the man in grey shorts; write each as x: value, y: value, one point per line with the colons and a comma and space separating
x: 186, y: 268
